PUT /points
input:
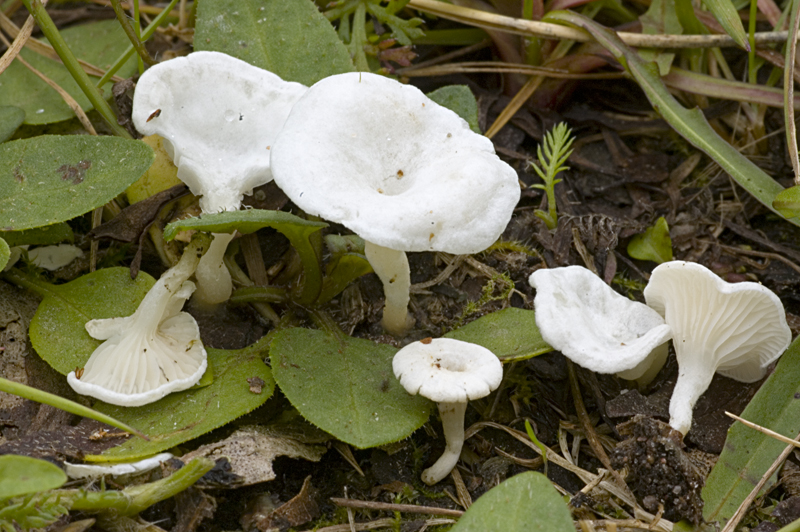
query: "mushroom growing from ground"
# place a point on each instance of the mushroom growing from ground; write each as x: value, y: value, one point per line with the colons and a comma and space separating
x: 218, y: 117
x: 401, y: 171
x: 153, y: 352
x: 450, y: 372
x: 597, y: 328
x: 734, y: 329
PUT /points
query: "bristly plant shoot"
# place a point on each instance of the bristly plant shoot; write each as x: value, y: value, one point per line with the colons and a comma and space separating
x: 556, y: 150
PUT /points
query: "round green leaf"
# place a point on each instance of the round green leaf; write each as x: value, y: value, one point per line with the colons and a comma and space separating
x: 460, y: 100
x: 511, y: 334
x: 20, y: 475
x: 523, y: 503
x: 11, y: 117
x: 53, y: 178
x: 99, y: 43
x: 346, y: 387
x: 787, y: 202
x: 654, y: 244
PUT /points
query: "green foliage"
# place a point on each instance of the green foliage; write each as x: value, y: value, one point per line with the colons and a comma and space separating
x: 654, y: 244
x: 524, y: 503
x: 36, y: 510
x: 52, y: 178
x: 660, y: 18
x: 5, y: 254
x: 21, y: 475
x: 511, y: 334
x: 296, y: 229
x: 501, y: 282
x: 787, y: 202
x: 556, y: 144
x: 460, y: 100
x: 748, y: 453
x: 11, y: 117
x: 288, y: 37
x: 99, y: 43
x: 40, y: 236
x: 346, y: 387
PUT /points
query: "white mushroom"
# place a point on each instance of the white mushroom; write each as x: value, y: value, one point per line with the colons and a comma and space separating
x: 734, y: 329
x: 153, y: 352
x: 54, y: 257
x: 450, y: 372
x: 597, y: 328
x: 115, y: 470
x: 218, y: 117
x: 401, y: 171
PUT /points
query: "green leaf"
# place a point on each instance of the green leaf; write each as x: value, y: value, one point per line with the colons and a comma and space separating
x: 52, y: 178
x: 40, y: 236
x: 787, y: 202
x: 341, y: 273
x: 654, y: 244
x: 690, y: 124
x: 460, y: 100
x: 511, y: 334
x: 524, y: 503
x: 183, y: 416
x: 660, y: 18
x: 11, y: 117
x: 748, y: 453
x: 296, y: 229
x: 99, y: 43
x: 20, y: 475
x: 290, y: 38
x: 346, y: 387
x: 726, y: 14
x: 5, y: 254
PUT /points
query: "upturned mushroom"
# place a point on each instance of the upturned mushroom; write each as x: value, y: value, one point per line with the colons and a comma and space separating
x: 734, y: 329
x: 396, y: 168
x: 153, y: 352
x: 219, y: 117
x: 450, y: 372
x: 597, y: 328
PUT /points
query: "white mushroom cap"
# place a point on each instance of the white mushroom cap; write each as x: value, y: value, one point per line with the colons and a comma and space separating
x: 447, y: 370
x: 155, y: 351
x: 734, y: 329
x: 218, y: 116
x: 54, y: 257
x: 595, y: 327
x: 393, y: 166
x: 115, y: 470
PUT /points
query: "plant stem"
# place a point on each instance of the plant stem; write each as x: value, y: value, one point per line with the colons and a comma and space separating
x: 42, y: 18
x: 131, y: 33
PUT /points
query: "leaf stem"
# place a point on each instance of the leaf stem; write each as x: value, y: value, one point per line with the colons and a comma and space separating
x: 48, y: 27
x: 138, y: 45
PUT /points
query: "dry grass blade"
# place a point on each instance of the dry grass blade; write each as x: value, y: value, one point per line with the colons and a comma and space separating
x: 407, y: 508
x: 19, y: 41
x: 496, y: 67
x: 788, y: 94
x: 764, y: 430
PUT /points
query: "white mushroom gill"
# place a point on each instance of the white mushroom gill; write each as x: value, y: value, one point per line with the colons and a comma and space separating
x: 155, y: 351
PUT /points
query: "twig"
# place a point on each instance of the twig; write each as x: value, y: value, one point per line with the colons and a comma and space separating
x: 753, y: 253
x: 764, y: 430
x: 518, y: 26
x: 788, y: 94
x: 407, y: 508
x: 15, y: 47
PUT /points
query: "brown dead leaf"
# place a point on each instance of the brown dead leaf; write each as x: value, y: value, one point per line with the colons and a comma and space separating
x: 302, y: 508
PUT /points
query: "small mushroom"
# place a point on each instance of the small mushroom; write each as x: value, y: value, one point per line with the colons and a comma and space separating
x: 218, y: 117
x: 734, y: 329
x: 450, y: 372
x: 597, y: 328
x: 54, y: 257
x: 396, y: 168
x: 153, y: 352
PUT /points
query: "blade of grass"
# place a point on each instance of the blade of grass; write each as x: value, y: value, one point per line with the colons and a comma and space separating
x: 131, y: 33
x: 689, y: 123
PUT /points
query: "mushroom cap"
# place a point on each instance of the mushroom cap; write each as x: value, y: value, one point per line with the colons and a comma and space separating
x: 393, y: 166
x: 54, y: 257
x: 447, y: 371
x: 595, y: 327
x: 218, y: 116
x: 734, y: 329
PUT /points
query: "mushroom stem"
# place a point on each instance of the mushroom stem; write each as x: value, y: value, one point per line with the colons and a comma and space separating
x: 452, y: 415
x: 692, y: 383
x: 214, y: 283
x: 391, y: 266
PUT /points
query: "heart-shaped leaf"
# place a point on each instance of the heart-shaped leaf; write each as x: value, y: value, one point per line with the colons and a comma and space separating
x: 53, y: 178
x: 511, y: 334
x: 11, y: 117
x: 20, y: 475
x: 290, y: 38
x: 99, y: 43
x: 654, y: 244
x: 346, y: 387
x: 524, y: 503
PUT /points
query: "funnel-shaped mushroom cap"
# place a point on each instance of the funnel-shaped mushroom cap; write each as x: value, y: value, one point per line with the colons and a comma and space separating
x: 735, y: 329
x: 219, y: 117
x: 447, y: 370
x: 393, y: 166
x: 595, y: 327
x: 153, y: 352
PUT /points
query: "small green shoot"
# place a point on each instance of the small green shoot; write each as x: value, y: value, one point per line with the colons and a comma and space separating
x: 537, y: 443
x: 556, y: 150
x: 654, y: 244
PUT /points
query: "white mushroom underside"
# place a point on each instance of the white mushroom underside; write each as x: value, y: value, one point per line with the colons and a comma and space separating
x: 393, y: 166
x: 219, y: 117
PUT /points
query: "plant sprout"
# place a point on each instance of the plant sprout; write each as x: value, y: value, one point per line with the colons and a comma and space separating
x: 556, y: 144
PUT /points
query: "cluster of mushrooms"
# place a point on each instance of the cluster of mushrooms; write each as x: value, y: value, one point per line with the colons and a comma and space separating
x: 405, y: 174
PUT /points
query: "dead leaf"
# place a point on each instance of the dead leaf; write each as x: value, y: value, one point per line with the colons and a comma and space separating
x: 302, y: 508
